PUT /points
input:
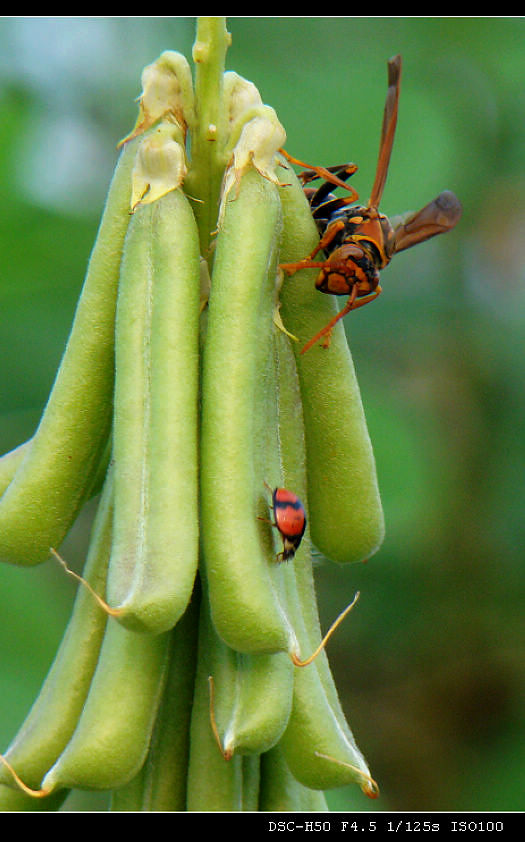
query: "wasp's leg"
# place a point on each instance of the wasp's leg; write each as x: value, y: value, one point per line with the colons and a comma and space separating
x: 309, y: 262
x: 341, y: 172
x: 353, y: 303
x: 335, y: 176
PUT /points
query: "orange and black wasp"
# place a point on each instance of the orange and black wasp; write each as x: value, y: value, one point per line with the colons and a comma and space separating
x: 358, y: 241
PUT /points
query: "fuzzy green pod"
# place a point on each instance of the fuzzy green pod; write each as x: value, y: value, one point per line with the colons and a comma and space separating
x: 110, y: 742
x: 264, y: 689
x: 251, y: 773
x: 16, y: 801
x: 9, y: 463
x: 251, y: 693
x: 318, y: 744
x: 213, y: 783
x: 244, y: 587
x: 161, y: 782
x: 319, y: 748
x: 280, y: 792
x: 50, y: 485
x: 55, y: 713
x: 346, y: 515
x: 317, y: 724
x: 155, y: 549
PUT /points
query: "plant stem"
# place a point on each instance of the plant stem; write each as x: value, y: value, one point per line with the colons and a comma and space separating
x: 209, y: 137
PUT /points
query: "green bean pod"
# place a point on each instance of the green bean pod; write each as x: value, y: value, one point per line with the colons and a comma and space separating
x: 214, y: 784
x: 346, y: 516
x: 155, y: 550
x: 318, y: 745
x: 111, y: 740
x: 16, y: 801
x: 263, y: 703
x: 130, y: 797
x: 251, y: 775
x: 49, y: 487
x: 317, y: 724
x: 161, y: 783
x: 280, y: 792
x: 252, y: 694
x: 253, y: 691
x: 10, y: 462
x: 244, y: 585
x: 55, y: 713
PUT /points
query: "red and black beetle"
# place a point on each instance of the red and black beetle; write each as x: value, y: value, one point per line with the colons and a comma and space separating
x: 290, y: 520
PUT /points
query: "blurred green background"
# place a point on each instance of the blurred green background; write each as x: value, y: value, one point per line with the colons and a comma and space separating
x: 430, y: 664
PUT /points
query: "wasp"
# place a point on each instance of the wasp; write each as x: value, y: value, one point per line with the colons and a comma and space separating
x: 359, y: 241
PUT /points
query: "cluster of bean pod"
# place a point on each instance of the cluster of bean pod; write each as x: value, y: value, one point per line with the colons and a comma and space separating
x: 190, y: 690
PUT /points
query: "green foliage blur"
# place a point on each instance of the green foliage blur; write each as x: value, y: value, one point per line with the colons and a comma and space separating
x: 430, y: 664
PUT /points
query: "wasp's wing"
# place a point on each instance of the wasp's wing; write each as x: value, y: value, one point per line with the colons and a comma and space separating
x: 388, y: 130
x: 438, y: 217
